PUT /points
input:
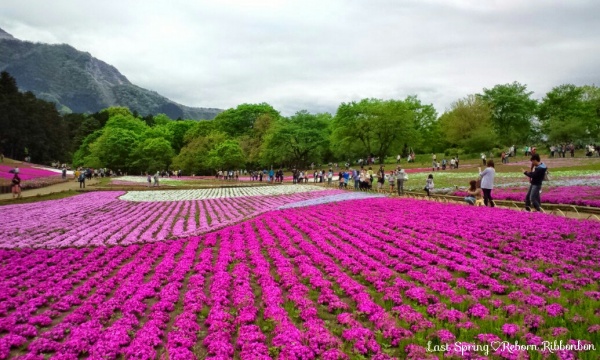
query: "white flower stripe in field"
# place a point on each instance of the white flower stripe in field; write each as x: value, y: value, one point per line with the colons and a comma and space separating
x: 331, y: 198
x: 100, y: 218
x: 203, y: 194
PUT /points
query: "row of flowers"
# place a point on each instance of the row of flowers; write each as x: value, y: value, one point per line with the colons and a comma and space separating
x: 573, y: 195
x: 376, y: 278
x: 100, y: 218
x: 217, y: 193
x: 26, y: 172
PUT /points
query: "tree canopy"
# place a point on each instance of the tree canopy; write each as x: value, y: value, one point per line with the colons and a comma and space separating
x: 258, y: 136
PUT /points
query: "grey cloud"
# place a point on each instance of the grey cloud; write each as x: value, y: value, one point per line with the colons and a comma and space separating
x: 314, y: 55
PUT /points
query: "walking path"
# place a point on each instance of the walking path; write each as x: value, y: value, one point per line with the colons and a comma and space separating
x: 52, y: 189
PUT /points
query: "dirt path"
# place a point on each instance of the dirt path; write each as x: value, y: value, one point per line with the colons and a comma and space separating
x: 56, y: 188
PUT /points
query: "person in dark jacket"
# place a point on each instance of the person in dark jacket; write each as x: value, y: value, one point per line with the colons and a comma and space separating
x: 537, y: 177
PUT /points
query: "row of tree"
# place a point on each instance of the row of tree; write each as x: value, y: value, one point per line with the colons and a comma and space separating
x: 256, y: 135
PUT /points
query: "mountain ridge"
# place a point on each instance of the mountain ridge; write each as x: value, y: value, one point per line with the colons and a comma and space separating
x: 78, y: 82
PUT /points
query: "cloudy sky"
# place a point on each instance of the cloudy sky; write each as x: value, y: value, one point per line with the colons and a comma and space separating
x: 316, y: 54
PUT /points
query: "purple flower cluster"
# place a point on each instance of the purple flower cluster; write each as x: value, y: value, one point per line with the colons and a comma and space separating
x: 374, y: 278
x: 26, y: 172
x: 572, y: 195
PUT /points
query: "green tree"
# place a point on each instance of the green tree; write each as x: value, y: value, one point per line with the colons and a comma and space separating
x: 199, y: 129
x: 468, y: 125
x: 126, y: 122
x: 240, y: 121
x: 428, y: 137
x: 512, y: 111
x: 570, y: 113
x: 252, y: 143
x: 84, y: 151
x: 113, y: 147
x: 226, y: 155
x: 179, y: 129
x: 298, y: 140
x: 152, y: 155
x: 193, y: 156
x: 372, y: 126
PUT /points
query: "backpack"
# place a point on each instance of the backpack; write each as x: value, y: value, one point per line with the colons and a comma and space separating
x: 81, y: 177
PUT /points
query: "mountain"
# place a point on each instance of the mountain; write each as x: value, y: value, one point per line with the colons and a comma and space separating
x: 78, y: 82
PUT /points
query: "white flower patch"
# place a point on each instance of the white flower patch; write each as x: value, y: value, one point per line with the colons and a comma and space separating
x: 331, y: 198
x: 201, y: 194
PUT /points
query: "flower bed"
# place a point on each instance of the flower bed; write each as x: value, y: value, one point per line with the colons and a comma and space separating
x: 217, y: 193
x: 26, y: 172
x: 571, y: 195
x: 101, y: 218
x: 371, y: 278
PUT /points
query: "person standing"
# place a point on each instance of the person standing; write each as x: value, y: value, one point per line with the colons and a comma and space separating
x: 401, y: 176
x: 16, y: 185
x: 483, y: 158
x: 82, y: 180
x: 537, y: 178
x: 149, y: 179
x: 392, y: 181
x: 156, y: 178
x: 487, y: 182
x: 433, y: 161
x: 398, y: 159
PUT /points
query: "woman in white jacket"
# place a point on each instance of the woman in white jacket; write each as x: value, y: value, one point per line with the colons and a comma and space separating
x: 487, y: 182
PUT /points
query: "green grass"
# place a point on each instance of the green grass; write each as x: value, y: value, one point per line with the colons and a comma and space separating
x: 32, y: 199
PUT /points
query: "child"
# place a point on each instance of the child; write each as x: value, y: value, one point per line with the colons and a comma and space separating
x: 392, y: 180
x: 473, y: 193
x: 429, y: 185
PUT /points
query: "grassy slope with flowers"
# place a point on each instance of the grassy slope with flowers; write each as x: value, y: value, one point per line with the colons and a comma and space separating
x: 374, y: 278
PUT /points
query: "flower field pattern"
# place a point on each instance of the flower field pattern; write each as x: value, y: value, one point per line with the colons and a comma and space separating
x: 101, y: 218
x: 377, y: 281
x: 27, y: 172
x: 217, y: 193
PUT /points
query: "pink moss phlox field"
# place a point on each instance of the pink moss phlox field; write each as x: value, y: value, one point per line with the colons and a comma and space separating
x: 373, y: 278
x: 100, y: 218
x: 572, y: 195
x: 26, y: 172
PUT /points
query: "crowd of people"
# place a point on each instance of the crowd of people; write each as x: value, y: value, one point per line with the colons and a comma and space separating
x: 453, y: 163
x: 480, y: 191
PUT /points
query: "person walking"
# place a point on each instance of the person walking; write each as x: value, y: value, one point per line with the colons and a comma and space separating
x: 537, y: 177
x: 16, y: 185
x: 487, y: 182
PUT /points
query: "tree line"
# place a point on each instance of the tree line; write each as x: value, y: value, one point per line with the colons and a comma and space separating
x: 258, y: 136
